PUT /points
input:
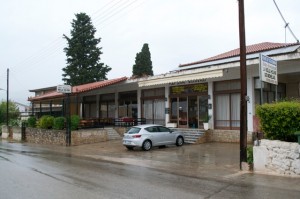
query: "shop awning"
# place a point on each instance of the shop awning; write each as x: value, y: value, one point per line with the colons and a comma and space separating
x: 180, y: 76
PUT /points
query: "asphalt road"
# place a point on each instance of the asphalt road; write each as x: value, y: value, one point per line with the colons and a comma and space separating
x: 33, y: 172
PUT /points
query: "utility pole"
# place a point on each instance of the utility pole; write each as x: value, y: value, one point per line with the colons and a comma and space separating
x: 243, y: 71
x: 7, y: 100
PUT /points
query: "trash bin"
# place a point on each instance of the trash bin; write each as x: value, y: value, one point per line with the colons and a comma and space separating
x: 297, y: 133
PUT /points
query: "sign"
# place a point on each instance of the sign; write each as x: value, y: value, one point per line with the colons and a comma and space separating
x: 64, y: 89
x: 268, y: 69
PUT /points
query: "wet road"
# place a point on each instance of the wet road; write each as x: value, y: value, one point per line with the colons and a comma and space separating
x: 34, y: 172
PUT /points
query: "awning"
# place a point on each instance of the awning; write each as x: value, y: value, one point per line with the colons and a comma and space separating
x: 180, y: 77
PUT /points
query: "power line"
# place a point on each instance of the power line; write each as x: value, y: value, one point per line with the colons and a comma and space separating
x: 57, y: 44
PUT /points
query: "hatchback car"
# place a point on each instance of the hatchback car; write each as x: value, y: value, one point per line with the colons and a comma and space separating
x: 150, y: 135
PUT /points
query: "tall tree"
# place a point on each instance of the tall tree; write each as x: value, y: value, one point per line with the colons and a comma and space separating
x: 83, y: 55
x: 143, y: 63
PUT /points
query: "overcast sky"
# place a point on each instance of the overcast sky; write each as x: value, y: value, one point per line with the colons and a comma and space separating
x: 177, y: 31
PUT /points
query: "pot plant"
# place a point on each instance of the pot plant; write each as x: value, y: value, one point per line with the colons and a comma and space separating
x: 205, y: 121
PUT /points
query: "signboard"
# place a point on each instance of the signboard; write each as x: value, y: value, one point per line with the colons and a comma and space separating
x: 268, y: 69
x: 64, y: 89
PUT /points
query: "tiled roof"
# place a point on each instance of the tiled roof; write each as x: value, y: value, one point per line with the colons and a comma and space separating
x: 79, y: 89
x: 256, y: 48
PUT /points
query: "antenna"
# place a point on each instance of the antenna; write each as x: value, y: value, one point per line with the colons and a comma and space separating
x: 286, y: 24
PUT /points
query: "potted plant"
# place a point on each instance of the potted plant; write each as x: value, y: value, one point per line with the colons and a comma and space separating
x: 205, y: 122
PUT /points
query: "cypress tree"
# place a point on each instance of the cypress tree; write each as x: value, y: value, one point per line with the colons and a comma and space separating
x: 83, y: 54
x: 143, y: 63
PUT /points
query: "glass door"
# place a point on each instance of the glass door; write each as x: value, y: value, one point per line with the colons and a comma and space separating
x: 192, y: 112
x: 182, y: 120
x: 203, y: 109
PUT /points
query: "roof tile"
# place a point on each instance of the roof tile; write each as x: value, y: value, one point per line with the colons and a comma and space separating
x: 79, y: 89
x: 255, y: 48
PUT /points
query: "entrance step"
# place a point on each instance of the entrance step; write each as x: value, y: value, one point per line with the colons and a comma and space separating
x: 191, y: 136
x: 113, y: 134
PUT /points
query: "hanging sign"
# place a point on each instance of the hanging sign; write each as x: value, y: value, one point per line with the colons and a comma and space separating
x: 268, y: 69
x: 64, y: 89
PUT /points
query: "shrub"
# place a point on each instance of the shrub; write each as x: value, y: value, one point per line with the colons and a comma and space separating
x: 250, y: 154
x: 31, y: 122
x: 46, y: 122
x: 279, y: 120
x: 75, y: 119
x: 59, y: 123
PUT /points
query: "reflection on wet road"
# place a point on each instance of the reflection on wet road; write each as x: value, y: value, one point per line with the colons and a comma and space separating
x: 28, y: 171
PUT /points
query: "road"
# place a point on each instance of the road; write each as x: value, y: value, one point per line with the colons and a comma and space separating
x: 29, y: 172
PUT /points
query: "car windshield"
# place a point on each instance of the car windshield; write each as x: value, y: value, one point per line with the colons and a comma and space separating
x: 134, y: 130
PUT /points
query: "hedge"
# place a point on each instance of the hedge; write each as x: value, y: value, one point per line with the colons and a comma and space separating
x: 279, y: 121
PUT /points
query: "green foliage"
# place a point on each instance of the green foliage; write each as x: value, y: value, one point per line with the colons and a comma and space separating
x: 59, y: 123
x: 280, y: 120
x: 13, y: 110
x: 83, y: 55
x: 143, y: 63
x: 46, y: 122
x: 75, y: 119
x: 206, y: 118
x: 31, y: 121
x: 250, y: 154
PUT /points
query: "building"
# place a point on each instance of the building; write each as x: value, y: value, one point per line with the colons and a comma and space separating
x: 184, y: 97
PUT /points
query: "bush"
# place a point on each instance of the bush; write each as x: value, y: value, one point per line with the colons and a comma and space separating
x: 75, y: 119
x: 31, y: 122
x: 59, y: 123
x: 46, y: 122
x: 250, y: 154
x: 280, y: 120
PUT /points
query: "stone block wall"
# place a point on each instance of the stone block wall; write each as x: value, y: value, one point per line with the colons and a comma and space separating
x: 232, y: 136
x: 277, y: 156
x: 56, y: 137
x: 88, y: 136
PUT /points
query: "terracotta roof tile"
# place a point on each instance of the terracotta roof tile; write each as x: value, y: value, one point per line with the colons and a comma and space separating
x: 249, y: 50
x: 79, y: 89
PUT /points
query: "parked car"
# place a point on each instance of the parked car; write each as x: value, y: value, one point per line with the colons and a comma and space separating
x: 149, y: 135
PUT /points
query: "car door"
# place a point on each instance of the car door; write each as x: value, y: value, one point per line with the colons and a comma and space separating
x: 166, y: 134
x: 155, y: 136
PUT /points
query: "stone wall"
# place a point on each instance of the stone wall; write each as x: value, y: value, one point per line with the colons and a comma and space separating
x: 232, y: 136
x: 56, y: 137
x: 277, y: 156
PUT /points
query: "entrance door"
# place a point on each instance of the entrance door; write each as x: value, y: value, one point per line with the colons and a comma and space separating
x: 192, y: 112
x: 203, y: 109
x: 183, y: 119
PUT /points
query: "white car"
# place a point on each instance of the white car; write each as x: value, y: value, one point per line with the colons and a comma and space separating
x: 150, y: 135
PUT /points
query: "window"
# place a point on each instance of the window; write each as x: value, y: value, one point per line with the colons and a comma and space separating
x: 269, y: 91
x: 227, y: 104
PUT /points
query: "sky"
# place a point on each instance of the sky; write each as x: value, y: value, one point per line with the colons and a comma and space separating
x: 177, y: 32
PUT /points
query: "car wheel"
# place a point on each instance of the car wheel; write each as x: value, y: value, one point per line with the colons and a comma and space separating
x: 147, y: 145
x: 129, y: 148
x: 179, y: 141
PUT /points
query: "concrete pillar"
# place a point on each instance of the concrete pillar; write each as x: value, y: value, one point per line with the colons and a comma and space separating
x: 167, y: 103
x: 139, y: 105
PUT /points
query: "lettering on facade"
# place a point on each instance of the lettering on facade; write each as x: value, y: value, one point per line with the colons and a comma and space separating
x: 195, y: 88
x: 187, y: 82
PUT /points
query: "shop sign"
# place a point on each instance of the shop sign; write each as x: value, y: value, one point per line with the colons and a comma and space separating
x: 268, y: 70
x: 195, y: 88
x: 64, y: 89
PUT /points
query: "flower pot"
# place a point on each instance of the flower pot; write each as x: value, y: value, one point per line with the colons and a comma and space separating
x: 205, y: 126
